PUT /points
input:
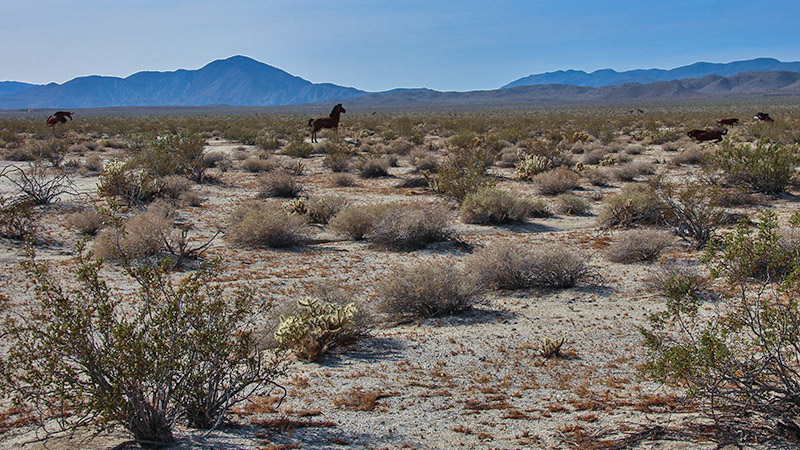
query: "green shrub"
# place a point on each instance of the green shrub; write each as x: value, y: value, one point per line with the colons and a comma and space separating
x: 427, y: 289
x: 169, y: 154
x: 765, y: 166
x: 692, y: 211
x: 316, y: 327
x: 740, y: 358
x: 133, y: 186
x: 490, y: 206
x: 321, y: 209
x: 179, y: 351
x: 298, y: 148
x: 463, y: 172
x: 17, y: 218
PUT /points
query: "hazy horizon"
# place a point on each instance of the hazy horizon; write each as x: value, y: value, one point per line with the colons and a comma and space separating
x: 377, y: 47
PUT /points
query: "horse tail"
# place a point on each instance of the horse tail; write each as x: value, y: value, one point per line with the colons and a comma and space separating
x: 310, y: 122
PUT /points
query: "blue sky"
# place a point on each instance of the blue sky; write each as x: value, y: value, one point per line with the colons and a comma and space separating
x: 379, y: 45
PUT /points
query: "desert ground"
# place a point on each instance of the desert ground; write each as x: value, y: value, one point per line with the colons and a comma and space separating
x: 472, y: 379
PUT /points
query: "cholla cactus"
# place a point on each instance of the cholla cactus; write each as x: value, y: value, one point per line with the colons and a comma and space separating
x: 608, y: 160
x: 298, y: 206
x: 531, y: 165
x: 317, y: 326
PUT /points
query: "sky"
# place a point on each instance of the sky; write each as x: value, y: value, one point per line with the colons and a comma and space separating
x: 378, y: 45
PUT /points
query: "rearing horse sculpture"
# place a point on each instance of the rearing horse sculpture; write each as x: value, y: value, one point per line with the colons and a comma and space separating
x: 331, y: 121
x: 59, y: 117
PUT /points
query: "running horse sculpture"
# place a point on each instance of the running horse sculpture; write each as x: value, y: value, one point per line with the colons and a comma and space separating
x: 331, y: 121
x: 59, y: 117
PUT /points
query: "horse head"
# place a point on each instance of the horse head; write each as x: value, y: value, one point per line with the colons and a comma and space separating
x: 337, y: 109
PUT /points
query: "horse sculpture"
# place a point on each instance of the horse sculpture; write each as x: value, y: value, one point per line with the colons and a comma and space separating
x: 763, y: 117
x: 331, y: 121
x: 59, y: 117
x: 729, y: 122
x: 709, y: 134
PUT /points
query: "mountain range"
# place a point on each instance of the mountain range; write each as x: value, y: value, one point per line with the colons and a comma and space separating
x: 610, y: 77
x: 242, y: 81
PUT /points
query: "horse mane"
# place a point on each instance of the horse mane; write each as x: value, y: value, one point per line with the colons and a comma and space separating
x: 333, y: 111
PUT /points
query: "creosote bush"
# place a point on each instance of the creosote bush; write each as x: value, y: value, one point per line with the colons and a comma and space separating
x: 321, y: 209
x: 490, y: 206
x: 635, y: 204
x: 173, y: 352
x: 428, y: 289
x: 766, y: 166
x: 740, y: 358
x: 638, y: 245
x: 256, y: 224
x: 464, y: 171
x: 17, y: 218
x: 506, y: 265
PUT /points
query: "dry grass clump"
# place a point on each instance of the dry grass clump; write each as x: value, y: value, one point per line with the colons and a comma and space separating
x: 356, y: 221
x: 593, y: 157
x: 93, y: 163
x: 424, y: 160
x: 321, y: 209
x: 256, y: 165
x: 557, y: 181
x: 192, y: 198
x: 88, y: 221
x: 635, y: 204
x: 218, y: 160
x: 597, y: 176
x: 373, y: 167
x: 278, y: 183
x: 638, y: 245
x: 343, y: 180
x: 257, y: 224
x: 692, y: 155
x: 427, y: 289
x: 506, y: 265
x: 631, y: 170
x: 409, y: 227
x: 490, y: 206
x: 572, y: 205
x: 175, y: 185
x: 676, y: 280
x: 140, y: 236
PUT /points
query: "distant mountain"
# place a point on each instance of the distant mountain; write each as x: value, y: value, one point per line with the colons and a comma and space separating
x: 12, y: 87
x: 236, y: 81
x: 609, y: 77
x: 752, y: 84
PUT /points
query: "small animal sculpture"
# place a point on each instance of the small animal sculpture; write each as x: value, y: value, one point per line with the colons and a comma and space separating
x: 331, y: 122
x: 763, y: 117
x: 709, y: 134
x: 59, y: 117
x: 728, y: 122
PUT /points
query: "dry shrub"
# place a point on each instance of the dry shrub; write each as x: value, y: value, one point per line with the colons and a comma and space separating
x: 635, y: 204
x: 93, y: 163
x: 88, y: 221
x: 557, y: 181
x: 278, y: 183
x: 409, y: 227
x: 138, y: 237
x: 428, y: 289
x: 373, y: 167
x: 572, y: 205
x: 424, y: 160
x: 192, y: 198
x: 358, y: 400
x: 693, y: 155
x: 257, y: 224
x: 674, y: 279
x: 175, y: 185
x: 638, y: 245
x: 17, y: 218
x: 322, y: 209
x: 219, y: 160
x: 490, y: 206
x: 337, y: 160
x: 508, y: 265
x: 597, y: 176
x: 631, y: 170
x: 593, y: 157
x: 256, y: 165
x: 343, y: 180
x: 356, y: 221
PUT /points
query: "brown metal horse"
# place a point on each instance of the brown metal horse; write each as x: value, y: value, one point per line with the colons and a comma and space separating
x: 331, y: 121
x: 59, y: 117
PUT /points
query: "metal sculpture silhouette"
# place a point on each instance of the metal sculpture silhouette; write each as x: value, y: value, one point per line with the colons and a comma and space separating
x: 331, y: 122
x: 59, y: 117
